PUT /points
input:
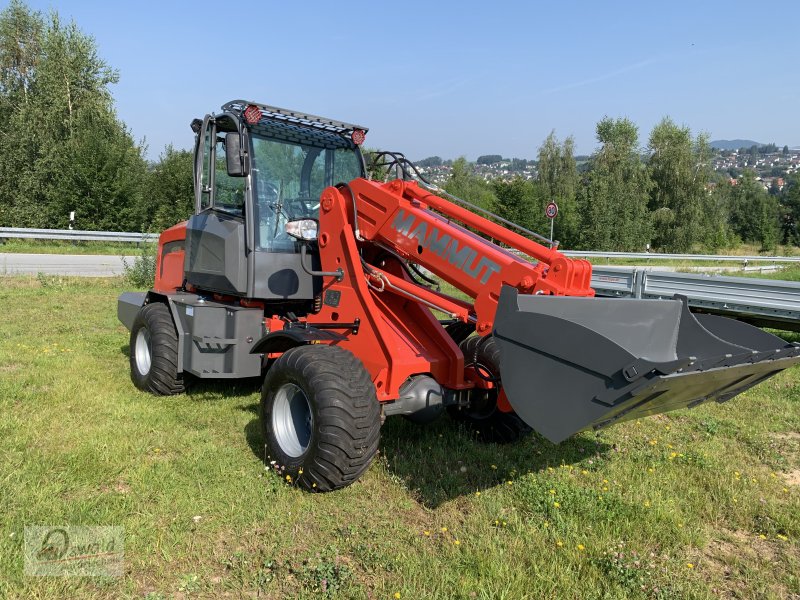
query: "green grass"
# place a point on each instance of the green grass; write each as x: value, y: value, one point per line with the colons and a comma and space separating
x: 622, y: 513
x: 19, y: 246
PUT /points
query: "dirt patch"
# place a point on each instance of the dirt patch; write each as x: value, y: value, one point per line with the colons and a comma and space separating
x: 741, y: 545
x: 789, y: 436
x: 792, y: 477
x: 118, y: 487
x: 725, y: 560
x: 10, y: 368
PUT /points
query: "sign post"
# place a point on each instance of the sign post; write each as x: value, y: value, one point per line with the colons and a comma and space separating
x: 550, y: 211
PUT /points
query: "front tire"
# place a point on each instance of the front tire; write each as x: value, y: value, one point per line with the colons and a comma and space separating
x: 154, y: 352
x: 320, y: 417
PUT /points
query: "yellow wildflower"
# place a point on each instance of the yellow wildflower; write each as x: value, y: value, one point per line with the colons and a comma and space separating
x: 552, y: 491
x: 556, y: 504
x: 444, y: 529
x: 581, y: 547
x: 456, y: 542
x: 689, y: 566
x: 426, y: 532
x: 559, y: 543
x: 397, y: 595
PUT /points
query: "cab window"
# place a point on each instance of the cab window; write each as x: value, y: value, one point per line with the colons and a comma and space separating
x: 228, y: 191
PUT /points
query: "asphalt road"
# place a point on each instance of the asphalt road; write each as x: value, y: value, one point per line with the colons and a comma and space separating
x: 86, y: 265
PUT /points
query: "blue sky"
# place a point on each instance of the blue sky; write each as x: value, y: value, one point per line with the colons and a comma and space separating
x: 455, y: 78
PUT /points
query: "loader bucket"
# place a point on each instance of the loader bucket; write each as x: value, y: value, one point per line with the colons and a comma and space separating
x: 568, y: 364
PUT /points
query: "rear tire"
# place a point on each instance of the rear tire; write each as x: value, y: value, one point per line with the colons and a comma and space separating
x: 482, y: 417
x: 320, y: 417
x: 154, y: 352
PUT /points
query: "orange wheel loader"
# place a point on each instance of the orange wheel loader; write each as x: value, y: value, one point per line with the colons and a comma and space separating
x: 298, y: 268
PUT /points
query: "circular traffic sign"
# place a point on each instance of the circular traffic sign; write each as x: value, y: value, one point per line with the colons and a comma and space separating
x: 551, y: 210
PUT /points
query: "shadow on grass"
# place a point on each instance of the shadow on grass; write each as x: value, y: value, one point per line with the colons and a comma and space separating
x: 215, y: 389
x: 440, y: 462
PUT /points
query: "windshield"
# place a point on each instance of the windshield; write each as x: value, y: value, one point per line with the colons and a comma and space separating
x: 288, y: 180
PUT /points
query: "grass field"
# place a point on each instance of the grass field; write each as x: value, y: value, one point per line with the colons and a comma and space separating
x: 20, y: 246
x: 696, y: 504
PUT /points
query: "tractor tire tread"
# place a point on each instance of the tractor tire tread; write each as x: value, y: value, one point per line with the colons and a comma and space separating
x: 163, y: 378
x: 346, y: 412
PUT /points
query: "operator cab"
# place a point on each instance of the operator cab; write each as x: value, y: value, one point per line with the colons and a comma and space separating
x: 257, y: 168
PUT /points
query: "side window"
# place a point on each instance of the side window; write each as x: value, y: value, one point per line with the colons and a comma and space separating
x: 228, y: 191
x: 205, y: 174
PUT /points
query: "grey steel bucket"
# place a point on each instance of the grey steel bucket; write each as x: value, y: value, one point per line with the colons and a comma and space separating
x: 568, y: 364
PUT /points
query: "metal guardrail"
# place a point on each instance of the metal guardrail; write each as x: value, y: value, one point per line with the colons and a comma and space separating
x: 764, y: 302
x: 121, y: 236
x: 657, y: 256
x: 74, y: 234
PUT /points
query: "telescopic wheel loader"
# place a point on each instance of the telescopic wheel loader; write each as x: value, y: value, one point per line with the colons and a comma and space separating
x: 298, y: 268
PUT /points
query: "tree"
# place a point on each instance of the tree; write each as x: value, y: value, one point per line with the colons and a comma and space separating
x: 790, y: 210
x: 679, y: 168
x: 169, y: 190
x: 489, y: 159
x: 754, y: 214
x: 517, y: 201
x: 62, y: 147
x: 615, y: 193
x: 465, y: 185
x: 431, y: 161
x: 558, y: 182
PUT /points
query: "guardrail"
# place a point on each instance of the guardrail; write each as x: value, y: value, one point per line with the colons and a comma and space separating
x: 121, y: 236
x: 658, y: 256
x: 765, y: 302
x: 74, y: 234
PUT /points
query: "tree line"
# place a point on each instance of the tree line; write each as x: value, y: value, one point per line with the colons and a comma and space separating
x: 63, y: 148
x: 665, y: 195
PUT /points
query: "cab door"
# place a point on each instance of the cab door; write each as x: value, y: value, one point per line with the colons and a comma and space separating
x: 215, y: 235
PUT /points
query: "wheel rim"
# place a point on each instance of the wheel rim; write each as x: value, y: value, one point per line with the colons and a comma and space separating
x: 142, y: 352
x: 292, y: 420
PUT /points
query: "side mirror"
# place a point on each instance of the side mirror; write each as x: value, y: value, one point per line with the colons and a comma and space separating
x: 235, y: 156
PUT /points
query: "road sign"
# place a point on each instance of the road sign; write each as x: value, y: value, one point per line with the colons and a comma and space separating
x: 551, y: 210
